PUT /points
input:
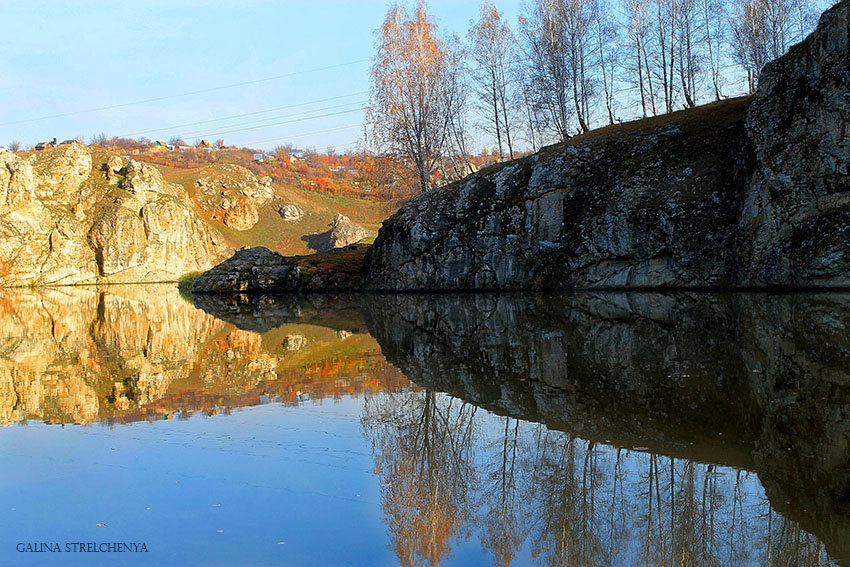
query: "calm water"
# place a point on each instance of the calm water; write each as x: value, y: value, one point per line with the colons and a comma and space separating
x: 593, y: 429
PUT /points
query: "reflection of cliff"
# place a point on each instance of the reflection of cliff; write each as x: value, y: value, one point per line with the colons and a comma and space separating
x: 758, y: 382
x: 76, y: 355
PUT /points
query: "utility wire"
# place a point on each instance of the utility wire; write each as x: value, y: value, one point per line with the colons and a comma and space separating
x: 167, y: 128
x: 189, y: 93
x: 221, y: 132
x: 302, y: 134
x: 262, y: 123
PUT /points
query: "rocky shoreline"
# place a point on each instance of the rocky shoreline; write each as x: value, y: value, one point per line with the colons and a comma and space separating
x: 746, y: 193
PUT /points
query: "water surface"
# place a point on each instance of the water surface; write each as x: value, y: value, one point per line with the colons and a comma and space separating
x: 594, y: 429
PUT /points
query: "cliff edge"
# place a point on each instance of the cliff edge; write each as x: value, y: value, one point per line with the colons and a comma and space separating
x: 750, y: 192
x: 64, y: 222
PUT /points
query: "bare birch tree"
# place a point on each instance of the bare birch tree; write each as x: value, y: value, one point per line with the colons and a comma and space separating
x: 492, y: 48
x: 762, y: 30
x: 608, y: 53
x: 547, y: 64
x: 688, y: 30
x: 637, y: 12
x: 578, y: 18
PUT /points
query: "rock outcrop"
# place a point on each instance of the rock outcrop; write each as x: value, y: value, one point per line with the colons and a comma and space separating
x: 232, y: 194
x: 342, y: 233
x: 796, y: 211
x: 62, y: 223
x: 259, y: 270
x: 746, y: 192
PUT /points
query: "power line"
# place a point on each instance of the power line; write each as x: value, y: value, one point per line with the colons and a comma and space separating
x: 262, y: 123
x: 189, y: 93
x: 221, y: 132
x: 302, y: 134
x: 242, y: 115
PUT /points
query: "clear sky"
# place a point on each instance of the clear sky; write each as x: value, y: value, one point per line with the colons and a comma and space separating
x: 135, y: 68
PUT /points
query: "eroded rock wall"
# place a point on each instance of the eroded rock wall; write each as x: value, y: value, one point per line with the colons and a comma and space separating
x: 61, y: 222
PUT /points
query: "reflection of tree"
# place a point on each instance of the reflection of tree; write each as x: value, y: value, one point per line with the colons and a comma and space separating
x: 423, y: 444
x: 504, y: 521
x: 787, y: 544
x: 568, y: 501
x: 566, y: 480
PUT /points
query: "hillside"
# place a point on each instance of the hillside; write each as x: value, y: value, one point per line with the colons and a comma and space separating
x: 271, y: 230
x: 74, y: 214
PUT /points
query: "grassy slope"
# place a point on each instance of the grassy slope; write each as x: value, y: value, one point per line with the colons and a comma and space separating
x: 276, y: 234
x: 707, y: 120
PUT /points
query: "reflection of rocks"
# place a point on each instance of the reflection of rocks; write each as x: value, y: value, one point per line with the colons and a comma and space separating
x: 236, y: 363
x: 260, y: 313
x: 140, y: 352
x: 76, y: 355
x: 255, y: 313
x: 759, y: 382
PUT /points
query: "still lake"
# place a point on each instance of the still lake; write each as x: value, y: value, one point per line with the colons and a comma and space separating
x: 591, y: 429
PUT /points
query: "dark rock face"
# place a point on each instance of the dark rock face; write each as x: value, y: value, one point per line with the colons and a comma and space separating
x: 654, y: 207
x: 732, y: 194
x: 797, y: 210
x: 259, y: 270
x: 759, y: 382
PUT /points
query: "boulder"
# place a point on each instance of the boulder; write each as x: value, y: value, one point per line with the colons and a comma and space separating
x: 344, y: 232
x: 290, y: 213
x: 294, y: 342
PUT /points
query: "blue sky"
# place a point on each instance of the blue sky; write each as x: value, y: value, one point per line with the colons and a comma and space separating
x: 62, y: 59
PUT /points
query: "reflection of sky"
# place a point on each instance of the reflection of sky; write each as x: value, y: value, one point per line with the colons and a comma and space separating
x: 300, y: 475
x: 304, y: 475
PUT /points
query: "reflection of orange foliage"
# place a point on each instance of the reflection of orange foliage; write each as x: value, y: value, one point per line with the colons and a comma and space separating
x: 363, y: 373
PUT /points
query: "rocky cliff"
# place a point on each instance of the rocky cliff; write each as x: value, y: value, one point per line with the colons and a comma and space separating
x: 67, y: 220
x: 746, y: 192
